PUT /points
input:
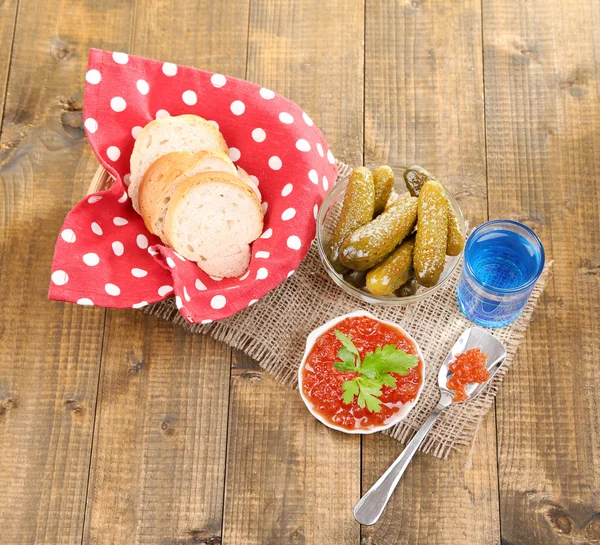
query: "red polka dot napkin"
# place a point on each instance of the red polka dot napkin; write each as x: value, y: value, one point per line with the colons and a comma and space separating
x: 104, y: 254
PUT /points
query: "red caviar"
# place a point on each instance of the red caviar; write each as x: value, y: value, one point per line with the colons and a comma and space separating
x: 322, y: 382
x: 467, y: 368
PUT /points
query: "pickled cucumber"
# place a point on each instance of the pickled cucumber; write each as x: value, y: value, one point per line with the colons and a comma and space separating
x: 357, y: 209
x: 432, y: 233
x: 415, y: 177
x: 394, y: 271
x: 456, y: 238
x: 356, y: 278
x: 371, y: 243
x: 407, y: 289
x: 383, y: 180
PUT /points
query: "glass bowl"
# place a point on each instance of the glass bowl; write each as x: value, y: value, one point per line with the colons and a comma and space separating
x: 326, y: 221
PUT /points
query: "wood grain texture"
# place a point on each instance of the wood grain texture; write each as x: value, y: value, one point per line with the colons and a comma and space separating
x: 8, y: 18
x: 542, y: 82
x: 158, y: 472
x: 290, y: 480
x: 49, y: 352
x: 424, y: 104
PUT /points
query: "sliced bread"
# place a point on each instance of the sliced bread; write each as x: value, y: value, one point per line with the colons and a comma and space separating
x: 166, y: 173
x: 180, y: 133
x: 211, y: 211
x: 228, y: 263
x: 245, y: 177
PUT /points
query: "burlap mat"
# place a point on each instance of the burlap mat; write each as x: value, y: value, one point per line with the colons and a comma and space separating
x: 274, y: 330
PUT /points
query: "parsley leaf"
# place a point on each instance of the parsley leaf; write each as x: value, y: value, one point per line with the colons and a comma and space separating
x: 374, y: 371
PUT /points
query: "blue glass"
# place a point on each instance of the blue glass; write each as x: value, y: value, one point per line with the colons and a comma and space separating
x: 503, y: 260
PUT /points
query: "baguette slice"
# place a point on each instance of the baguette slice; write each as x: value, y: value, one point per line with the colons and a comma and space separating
x: 166, y: 134
x: 245, y: 177
x: 229, y: 263
x: 211, y: 211
x: 166, y: 173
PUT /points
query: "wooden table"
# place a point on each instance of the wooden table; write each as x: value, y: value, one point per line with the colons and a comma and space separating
x: 119, y: 428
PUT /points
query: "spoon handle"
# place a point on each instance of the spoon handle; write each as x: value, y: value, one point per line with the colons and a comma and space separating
x: 370, y: 507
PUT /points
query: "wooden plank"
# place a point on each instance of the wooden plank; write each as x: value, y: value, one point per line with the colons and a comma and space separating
x: 158, y: 471
x: 289, y: 479
x: 423, y: 104
x: 543, y: 125
x: 50, y: 352
x: 8, y: 17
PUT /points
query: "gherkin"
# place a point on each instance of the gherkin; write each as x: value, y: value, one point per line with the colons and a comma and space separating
x: 383, y: 180
x: 432, y: 234
x: 356, y: 278
x: 415, y: 177
x: 357, y: 209
x: 408, y: 288
x: 394, y: 271
x: 371, y: 243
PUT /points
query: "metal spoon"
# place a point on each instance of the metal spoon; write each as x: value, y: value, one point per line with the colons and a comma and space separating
x: 370, y: 507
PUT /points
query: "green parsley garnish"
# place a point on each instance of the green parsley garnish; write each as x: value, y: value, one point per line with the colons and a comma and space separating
x: 374, y: 369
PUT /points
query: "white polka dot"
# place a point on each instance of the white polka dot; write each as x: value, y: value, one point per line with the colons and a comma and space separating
x: 113, y: 290
x: 119, y: 222
x: 218, y: 302
x: 234, y: 154
x: 288, y: 214
x: 207, y: 321
x: 138, y: 273
x: 313, y: 176
x: 135, y: 132
x: 93, y: 77
x: 252, y: 301
x: 265, y: 207
x: 118, y: 104
x: 307, y: 119
x: 320, y: 149
x: 302, y: 145
x: 216, y: 278
x: 287, y: 190
x: 316, y: 211
x: 245, y: 275
x: 275, y: 162
x: 127, y: 179
x: 186, y: 295
x: 169, y: 69
x: 122, y: 198
x: 200, y: 285
x: 178, y: 302
x: 85, y: 302
x: 286, y: 118
x: 96, y: 228
x: 267, y: 234
x: 330, y: 157
x: 140, y: 305
x: 237, y: 107
x: 325, y: 183
x: 267, y: 93
x: 170, y: 262
x: 163, y: 290
x: 189, y: 97
x: 113, y: 153
x: 142, y: 86
x: 290, y: 273
x: 60, y: 278
x: 152, y: 251
x: 68, y: 235
x: 120, y: 58
x: 255, y: 179
x: 262, y: 273
x: 142, y: 241
x: 118, y: 248
x: 162, y: 113
x: 91, y: 125
x: 94, y: 198
x: 259, y: 135
x: 178, y: 256
x: 214, y: 123
x: 218, y: 80
x: 262, y: 255
x: 294, y: 242
x: 91, y: 259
